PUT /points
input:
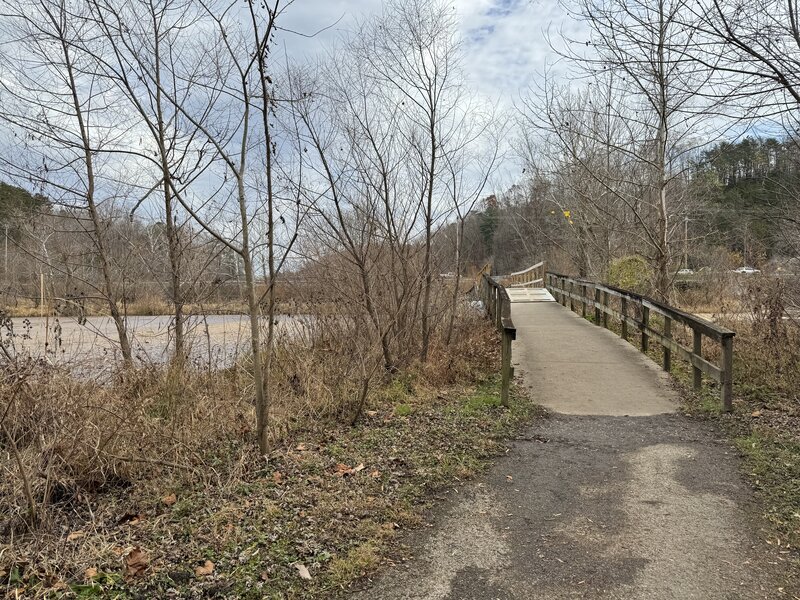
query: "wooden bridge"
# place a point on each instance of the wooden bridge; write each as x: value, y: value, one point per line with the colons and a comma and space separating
x: 529, y: 306
x: 616, y: 495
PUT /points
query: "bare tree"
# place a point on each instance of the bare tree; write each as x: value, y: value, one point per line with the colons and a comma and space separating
x: 413, y: 47
x: 60, y: 112
x: 651, y: 96
x: 154, y: 65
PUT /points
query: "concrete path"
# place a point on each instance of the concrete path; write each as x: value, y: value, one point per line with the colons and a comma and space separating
x: 577, y: 368
x: 590, y: 503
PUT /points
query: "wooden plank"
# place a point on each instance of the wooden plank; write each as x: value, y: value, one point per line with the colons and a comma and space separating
x: 645, y: 325
x: 708, y: 328
x: 506, y: 367
x: 528, y: 270
x: 697, y: 349
x: 596, y: 305
x: 700, y: 327
x: 583, y: 300
x: 727, y: 374
x: 624, y: 317
x: 572, y: 295
x: 697, y: 362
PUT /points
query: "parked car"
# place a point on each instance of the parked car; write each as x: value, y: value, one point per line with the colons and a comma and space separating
x: 747, y: 270
x: 685, y: 271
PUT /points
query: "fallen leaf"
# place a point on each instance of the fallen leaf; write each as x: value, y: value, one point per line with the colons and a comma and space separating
x: 277, y: 477
x: 301, y: 447
x: 206, y: 569
x: 302, y: 571
x: 136, y: 562
x: 130, y: 519
x: 343, y: 470
x: 90, y: 573
x: 756, y: 413
x: 372, y: 413
x: 75, y: 535
x: 375, y: 474
x: 509, y: 477
x: 169, y: 499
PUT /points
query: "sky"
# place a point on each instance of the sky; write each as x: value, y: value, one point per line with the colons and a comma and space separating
x: 505, y: 40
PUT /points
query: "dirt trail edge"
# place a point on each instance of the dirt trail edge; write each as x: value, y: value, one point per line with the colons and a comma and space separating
x: 592, y: 503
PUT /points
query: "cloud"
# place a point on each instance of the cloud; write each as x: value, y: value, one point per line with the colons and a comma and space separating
x: 505, y: 41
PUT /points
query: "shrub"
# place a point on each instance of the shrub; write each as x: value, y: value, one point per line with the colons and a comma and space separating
x: 631, y: 273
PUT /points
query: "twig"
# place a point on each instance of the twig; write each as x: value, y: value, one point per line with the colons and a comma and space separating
x: 151, y: 461
x: 26, y: 484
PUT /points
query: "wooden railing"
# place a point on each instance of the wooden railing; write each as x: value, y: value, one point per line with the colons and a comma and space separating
x: 498, y: 310
x: 634, y: 310
x: 532, y: 276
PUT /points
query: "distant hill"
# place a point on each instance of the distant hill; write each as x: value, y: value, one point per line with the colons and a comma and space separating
x: 16, y: 202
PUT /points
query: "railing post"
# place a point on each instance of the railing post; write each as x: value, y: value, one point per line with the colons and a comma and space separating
x: 507, y: 371
x: 564, y: 291
x: 624, y: 309
x: 571, y: 295
x: 667, y: 351
x: 605, y: 314
x: 499, y: 315
x: 697, y: 348
x: 727, y: 373
x: 583, y: 300
x: 597, y: 312
x: 645, y: 325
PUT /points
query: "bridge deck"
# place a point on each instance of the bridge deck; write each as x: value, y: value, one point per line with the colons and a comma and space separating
x: 529, y: 295
x: 575, y: 367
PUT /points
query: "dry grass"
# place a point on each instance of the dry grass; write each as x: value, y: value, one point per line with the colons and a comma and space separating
x: 765, y: 423
x: 143, y: 307
x: 89, y: 471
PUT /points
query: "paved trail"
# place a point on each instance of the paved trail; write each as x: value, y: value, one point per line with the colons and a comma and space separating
x: 615, y: 496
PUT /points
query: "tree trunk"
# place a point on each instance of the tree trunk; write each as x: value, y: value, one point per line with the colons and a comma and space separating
x: 99, y: 237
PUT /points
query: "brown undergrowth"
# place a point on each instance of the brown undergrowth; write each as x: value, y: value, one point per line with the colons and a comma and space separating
x: 151, y: 485
x: 765, y: 422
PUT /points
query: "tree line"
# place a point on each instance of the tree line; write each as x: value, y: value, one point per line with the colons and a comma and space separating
x: 174, y: 141
x: 643, y: 135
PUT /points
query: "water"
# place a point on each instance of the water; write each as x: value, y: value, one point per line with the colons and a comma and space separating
x: 213, y: 340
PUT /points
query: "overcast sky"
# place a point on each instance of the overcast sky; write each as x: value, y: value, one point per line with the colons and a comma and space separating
x: 505, y: 39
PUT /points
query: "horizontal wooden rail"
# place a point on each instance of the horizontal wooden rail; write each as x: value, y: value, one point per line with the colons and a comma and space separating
x: 590, y: 295
x: 532, y: 276
x: 498, y: 310
x: 534, y: 282
x: 529, y: 269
